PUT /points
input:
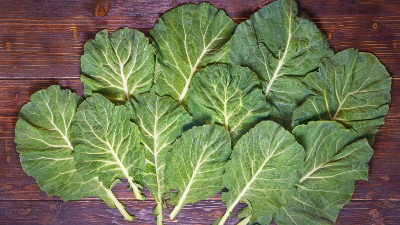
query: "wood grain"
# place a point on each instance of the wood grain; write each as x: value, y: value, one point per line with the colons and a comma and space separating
x: 41, y: 43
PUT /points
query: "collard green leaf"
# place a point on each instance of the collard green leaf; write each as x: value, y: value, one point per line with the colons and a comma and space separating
x: 263, y: 170
x: 186, y: 39
x: 43, y: 137
x: 229, y: 96
x: 280, y: 45
x: 352, y: 88
x: 334, y: 159
x: 106, y: 143
x: 196, y: 165
x: 160, y: 120
x: 119, y: 66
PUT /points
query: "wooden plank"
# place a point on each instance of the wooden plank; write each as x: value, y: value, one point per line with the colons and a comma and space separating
x: 95, y: 212
x: 41, y: 43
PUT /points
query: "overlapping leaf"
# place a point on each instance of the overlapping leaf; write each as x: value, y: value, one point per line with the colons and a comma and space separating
x: 334, y: 159
x: 187, y: 39
x: 160, y: 120
x: 229, y: 96
x: 280, y: 45
x: 352, y: 88
x: 196, y: 165
x: 43, y: 140
x: 106, y: 143
x: 118, y: 66
x: 263, y: 170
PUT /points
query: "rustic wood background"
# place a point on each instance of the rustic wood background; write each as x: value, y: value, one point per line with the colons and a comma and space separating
x: 41, y: 43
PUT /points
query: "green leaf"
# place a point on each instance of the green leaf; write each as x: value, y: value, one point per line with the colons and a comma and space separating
x: 334, y: 159
x: 106, y: 143
x: 263, y: 170
x: 229, y: 96
x: 196, y: 165
x: 280, y: 45
x: 161, y: 120
x: 352, y: 88
x: 119, y: 66
x: 187, y: 39
x: 43, y: 137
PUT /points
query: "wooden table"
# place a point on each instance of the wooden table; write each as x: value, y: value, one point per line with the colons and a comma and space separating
x: 41, y: 43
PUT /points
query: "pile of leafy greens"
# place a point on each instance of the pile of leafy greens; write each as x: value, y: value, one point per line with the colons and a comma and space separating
x: 264, y: 109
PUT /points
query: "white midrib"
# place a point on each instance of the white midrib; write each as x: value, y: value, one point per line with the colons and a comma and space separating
x: 124, y: 170
x: 340, y: 106
x: 57, y: 129
x: 226, y: 125
x: 183, y: 198
x: 124, y: 80
x: 230, y: 209
x: 312, y: 171
x: 63, y: 136
x: 194, y: 68
x: 281, y: 61
x: 155, y: 136
x: 192, y: 71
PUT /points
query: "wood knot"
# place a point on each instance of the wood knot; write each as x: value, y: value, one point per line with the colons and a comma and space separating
x: 8, y: 45
x: 102, y: 8
x: 24, y: 212
x: 375, y: 26
x: 386, y: 178
x: 48, y: 218
x: 174, y: 3
x: 376, y: 217
x: 394, y: 44
x: 329, y: 36
x: 74, y: 32
x: 41, y: 215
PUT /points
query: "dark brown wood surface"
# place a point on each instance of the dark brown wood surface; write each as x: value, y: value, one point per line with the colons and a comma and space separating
x: 41, y: 43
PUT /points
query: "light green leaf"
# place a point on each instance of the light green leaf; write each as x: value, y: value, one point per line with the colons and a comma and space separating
x: 43, y: 137
x: 263, y: 170
x: 119, y: 66
x: 352, y: 88
x: 196, y: 165
x: 280, y: 45
x: 334, y: 159
x: 187, y: 39
x: 229, y: 96
x: 160, y: 120
x: 106, y: 143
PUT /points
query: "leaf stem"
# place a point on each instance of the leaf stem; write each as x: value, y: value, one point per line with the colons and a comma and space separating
x: 160, y: 215
x: 176, y: 210
x: 120, y: 206
x: 136, y: 191
x: 244, y: 221
x: 224, y: 218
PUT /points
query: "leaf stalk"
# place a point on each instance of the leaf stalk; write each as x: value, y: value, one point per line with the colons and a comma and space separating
x: 119, y: 206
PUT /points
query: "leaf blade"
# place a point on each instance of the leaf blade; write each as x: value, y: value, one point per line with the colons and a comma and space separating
x: 352, y: 88
x: 187, y: 39
x: 106, y: 143
x: 160, y: 120
x: 196, y: 165
x: 280, y: 45
x: 327, y: 180
x: 119, y: 66
x: 42, y: 135
x: 260, y: 154
x: 229, y: 96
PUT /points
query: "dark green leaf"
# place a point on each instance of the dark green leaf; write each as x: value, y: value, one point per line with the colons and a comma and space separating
x: 187, y: 39
x: 229, y: 96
